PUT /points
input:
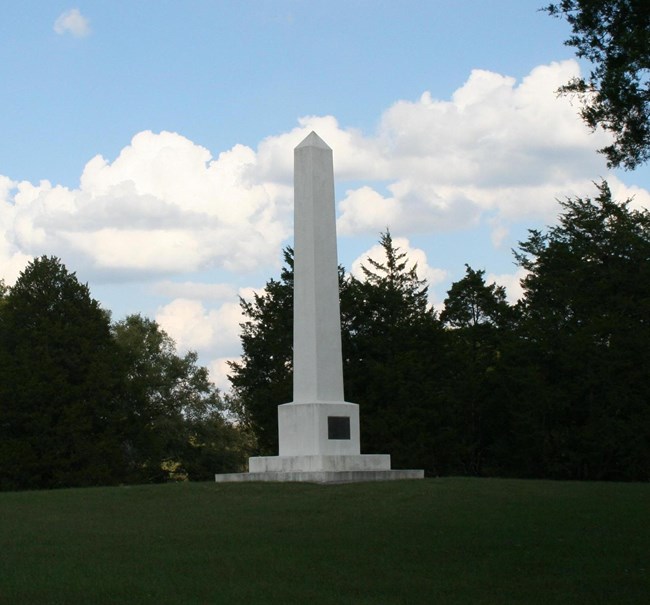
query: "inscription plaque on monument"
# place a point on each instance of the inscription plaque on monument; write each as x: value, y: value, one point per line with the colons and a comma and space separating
x: 338, y: 427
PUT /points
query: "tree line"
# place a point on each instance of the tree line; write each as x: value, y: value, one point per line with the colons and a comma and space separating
x: 87, y: 401
x: 554, y: 386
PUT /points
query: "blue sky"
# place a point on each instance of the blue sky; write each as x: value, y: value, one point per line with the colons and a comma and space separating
x: 149, y: 143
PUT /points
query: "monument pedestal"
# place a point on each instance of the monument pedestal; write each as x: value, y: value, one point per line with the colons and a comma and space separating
x: 319, y: 443
x: 319, y: 429
x: 321, y: 469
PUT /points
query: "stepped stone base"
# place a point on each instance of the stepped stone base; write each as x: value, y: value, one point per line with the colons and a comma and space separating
x: 322, y: 476
x: 321, y: 469
x: 340, y: 462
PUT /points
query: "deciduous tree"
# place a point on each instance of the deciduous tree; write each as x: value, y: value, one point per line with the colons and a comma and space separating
x: 176, y: 423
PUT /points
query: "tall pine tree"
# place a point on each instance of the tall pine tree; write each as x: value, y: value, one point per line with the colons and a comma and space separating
x: 392, y: 344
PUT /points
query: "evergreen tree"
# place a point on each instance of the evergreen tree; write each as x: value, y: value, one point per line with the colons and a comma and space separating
x: 59, y: 383
x: 473, y: 305
x: 585, y: 343
x: 392, y: 341
x: 262, y: 380
x: 479, y: 323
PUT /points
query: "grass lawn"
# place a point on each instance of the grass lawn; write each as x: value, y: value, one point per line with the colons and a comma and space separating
x: 446, y: 541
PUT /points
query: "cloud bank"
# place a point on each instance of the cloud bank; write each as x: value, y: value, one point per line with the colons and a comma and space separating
x: 498, y: 151
x: 495, y: 153
x: 164, y: 206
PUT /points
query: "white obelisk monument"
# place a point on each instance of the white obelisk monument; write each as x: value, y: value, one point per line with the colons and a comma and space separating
x: 318, y: 430
x: 317, y: 359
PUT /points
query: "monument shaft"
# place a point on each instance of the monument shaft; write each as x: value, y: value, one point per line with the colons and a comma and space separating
x: 317, y: 359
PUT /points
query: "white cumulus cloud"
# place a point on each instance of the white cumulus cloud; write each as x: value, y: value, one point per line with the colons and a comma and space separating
x: 497, y: 151
x: 72, y: 22
x: 12, y: 258
x: 195, y: 327
x: 496, y: 148
x: 163, y: 206
x: 213, y: 333
x: 195, y: 290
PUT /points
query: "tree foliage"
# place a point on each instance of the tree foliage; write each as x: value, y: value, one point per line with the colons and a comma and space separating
x: 557, y: 385
x: 479, y: 324
x: 614, y: 36
x: 263, y: 378
x: 175, y: 412
x: 85, y: 403
x: 473, y: 304
x: 587, y: 340
x: 59, y: 383
x: 391, y: 343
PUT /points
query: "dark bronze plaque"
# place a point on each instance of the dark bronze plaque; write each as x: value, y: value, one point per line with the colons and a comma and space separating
x: 338, y: 427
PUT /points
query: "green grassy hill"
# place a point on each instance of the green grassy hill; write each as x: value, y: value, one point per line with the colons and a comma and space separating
x: 447, y: 541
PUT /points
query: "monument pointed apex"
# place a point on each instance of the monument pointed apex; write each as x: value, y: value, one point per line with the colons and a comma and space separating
x: 313, y: 140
